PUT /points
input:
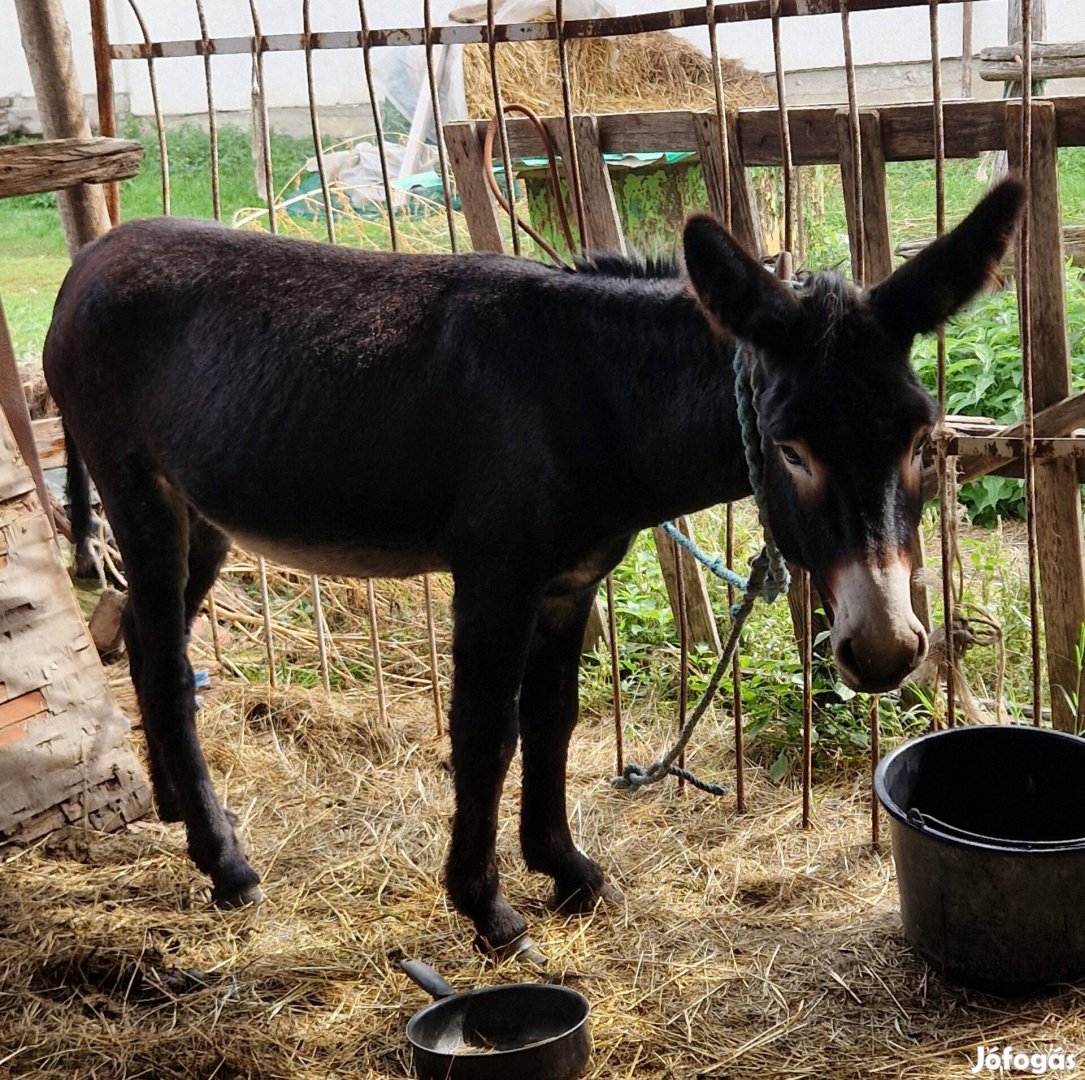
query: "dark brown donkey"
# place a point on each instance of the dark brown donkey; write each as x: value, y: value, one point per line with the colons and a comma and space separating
x: 373, y: 414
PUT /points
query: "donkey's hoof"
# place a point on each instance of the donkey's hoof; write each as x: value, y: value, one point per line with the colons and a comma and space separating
x: 230, y: 896
x: 580, y: 899
x: 522, y: 949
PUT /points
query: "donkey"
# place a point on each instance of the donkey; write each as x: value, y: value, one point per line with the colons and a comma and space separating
x: 377, y: 414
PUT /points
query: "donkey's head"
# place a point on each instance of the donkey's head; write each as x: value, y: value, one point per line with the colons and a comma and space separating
x: 844, y: 419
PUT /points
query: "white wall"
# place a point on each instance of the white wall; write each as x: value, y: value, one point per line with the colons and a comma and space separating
x: 808, y: 42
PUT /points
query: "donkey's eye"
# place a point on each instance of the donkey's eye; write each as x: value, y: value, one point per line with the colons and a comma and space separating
x: 792, y: 456
x: 921, y: 444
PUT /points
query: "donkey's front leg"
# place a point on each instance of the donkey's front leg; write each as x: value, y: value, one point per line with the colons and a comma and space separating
x: 493, y: 619
x: 548, y: 714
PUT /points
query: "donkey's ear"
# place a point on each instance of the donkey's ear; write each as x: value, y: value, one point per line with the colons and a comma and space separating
x: 736, y: 291
x: 946, y: 274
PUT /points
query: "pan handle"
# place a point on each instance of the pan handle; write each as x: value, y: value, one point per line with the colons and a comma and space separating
x: 427, y: 978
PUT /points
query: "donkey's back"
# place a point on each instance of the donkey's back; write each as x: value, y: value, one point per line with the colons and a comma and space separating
x: 342, y: 411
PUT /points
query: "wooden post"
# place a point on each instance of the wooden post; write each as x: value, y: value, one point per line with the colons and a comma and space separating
x: 1060, y: 543
x: 966, y: 49
x: 745, y: 220
x: 464, y: 146
x: 875, y: 210
x: 47, y: 43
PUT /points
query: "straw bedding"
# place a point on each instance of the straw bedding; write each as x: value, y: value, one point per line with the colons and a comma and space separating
x: 745, y: 947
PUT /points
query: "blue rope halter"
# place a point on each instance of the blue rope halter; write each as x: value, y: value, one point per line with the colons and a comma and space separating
x: 768, y: 579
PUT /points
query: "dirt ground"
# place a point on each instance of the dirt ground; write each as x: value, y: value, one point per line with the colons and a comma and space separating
x: 745, y: 947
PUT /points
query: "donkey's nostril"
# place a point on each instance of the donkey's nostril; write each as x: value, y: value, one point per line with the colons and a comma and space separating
x: 845, y: 658
x: 920, y: 648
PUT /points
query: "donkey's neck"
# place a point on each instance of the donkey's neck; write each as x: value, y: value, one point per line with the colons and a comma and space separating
x: 677, y: 429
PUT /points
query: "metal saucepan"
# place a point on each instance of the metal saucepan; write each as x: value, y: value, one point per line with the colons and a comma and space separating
x: 521, y: 1030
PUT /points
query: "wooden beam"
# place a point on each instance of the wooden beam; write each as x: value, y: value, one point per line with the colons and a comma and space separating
x: 1057, y: 60
x: 971, y: 127
x: 58, y: 164
x: 1050, y: 423
x: 1060, y: 543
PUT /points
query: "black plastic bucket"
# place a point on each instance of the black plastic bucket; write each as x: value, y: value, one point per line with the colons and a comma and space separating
x: 988, y: 827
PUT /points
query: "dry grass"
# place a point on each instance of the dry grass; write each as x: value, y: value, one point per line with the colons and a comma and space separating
x: 639, y: 73
x: 745, y: 947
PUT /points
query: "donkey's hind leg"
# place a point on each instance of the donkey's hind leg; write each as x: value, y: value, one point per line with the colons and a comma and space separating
x: 152, y: 528
x: 207, y: 549
x: 548, y: 714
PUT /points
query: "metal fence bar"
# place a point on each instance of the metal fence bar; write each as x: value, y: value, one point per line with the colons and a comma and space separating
x: 470, y: 34
x: 1024, y: 286
x: 159, y: 123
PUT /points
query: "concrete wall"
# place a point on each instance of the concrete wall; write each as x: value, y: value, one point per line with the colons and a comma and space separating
x: 893, y: 47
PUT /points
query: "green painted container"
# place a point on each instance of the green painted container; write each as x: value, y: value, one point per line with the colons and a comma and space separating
x: 654, y: 194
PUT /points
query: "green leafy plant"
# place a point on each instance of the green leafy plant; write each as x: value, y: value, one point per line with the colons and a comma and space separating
x: 984, y: 378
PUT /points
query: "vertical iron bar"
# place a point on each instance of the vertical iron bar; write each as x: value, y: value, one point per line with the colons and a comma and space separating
x: 1024, y: 284
x: 446, y: 190
x: 785, y: 127
x: 721, y: 111
x: 212, y: 120
x: 265, y: 127
x: 314, y: 122
x: 947, y: 508
x: 378, y: 124
x: 856, y: 145
x: 875, y: 757
x: 736, y: 679
x: 442, y: 149
x: 615, y: 678
x: 160, y: 125
x: 683, y: 649
x: 502, y: 128
x: 269, y: 186
x: 807, y: 697
x: 573, y: 164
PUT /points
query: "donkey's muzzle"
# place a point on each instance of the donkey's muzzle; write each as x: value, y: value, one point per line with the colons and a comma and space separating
x: 877, y: 639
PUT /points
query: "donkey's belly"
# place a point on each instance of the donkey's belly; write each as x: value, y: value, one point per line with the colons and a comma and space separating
x: 344, y: 559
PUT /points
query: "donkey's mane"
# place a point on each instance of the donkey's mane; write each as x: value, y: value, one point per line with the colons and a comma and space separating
x: 614, y: 264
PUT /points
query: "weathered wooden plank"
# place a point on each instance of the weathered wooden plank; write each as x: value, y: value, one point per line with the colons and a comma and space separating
x: 1050, y: 60
x: 971, y: 127
x: 700, y: 624
x: 1060, y: 543
x: 49, y: 439
x: 745, y: 219
x: 1054, y: 421
x: 602, y: 224
x: 877, y: 238
x: 464, y: 145
x: 63, y: 163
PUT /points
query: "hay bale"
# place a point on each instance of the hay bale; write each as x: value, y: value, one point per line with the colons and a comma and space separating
x: 639, y: 73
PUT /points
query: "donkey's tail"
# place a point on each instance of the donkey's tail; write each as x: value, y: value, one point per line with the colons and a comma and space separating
x: 79, y: 511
